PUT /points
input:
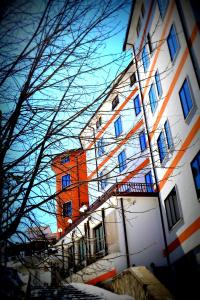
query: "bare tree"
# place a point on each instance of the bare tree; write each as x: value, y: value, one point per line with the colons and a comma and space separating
x: 50, y: 50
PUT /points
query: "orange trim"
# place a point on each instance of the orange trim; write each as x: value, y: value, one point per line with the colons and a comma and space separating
x: 162, y: 39
x: 128, y: 136
x: 186, y: 234
x: 173, y: 83
x: 114, y: 116
x: 193, y: 35
x: 180, y: 153
x: 102, y: 277
x: 136, y: 170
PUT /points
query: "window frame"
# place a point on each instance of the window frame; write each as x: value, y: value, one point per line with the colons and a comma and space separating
x: 161, y: 9
x: 143, y: 142
x: 170, y: 42
x: 162, y: 154
x: 118, y: 127
x: 122, y: 161
x: 137, y: 106
x: 115, y: 102
x: 101, y: 147
x: 172, y: 209
x: 133, y: 79
x: 66, y: 175
x: 186, y: 80
x: 82, y: 250
x: 66, y: 215
x: 153, y: 102
x: 158, y: 84
x: 65, y: 159
x: 145, y: 59
x: 168, y: 135
x: 149, y: 183
x: 196, y: 158
x: 101, y: 241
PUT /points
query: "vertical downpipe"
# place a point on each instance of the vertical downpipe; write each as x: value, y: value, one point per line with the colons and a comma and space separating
x: 125, y: 233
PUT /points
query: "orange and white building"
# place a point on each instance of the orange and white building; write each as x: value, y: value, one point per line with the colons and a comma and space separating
x: 142, y: 155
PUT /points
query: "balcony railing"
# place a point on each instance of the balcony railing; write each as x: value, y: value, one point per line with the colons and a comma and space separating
x: 117, y: 189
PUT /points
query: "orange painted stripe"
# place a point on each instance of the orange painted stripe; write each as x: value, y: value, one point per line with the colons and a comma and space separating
x: 186, y: 234
x: 173, y: 83
x: 128, y: 136
x: 102, y: 277
x: 114, y: 116
x: 136, y: 170
x: 180, y: 153
x: 193, y: 35
x: 162, y: 39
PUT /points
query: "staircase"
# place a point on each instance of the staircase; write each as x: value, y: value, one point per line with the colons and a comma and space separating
x: 63, y: 292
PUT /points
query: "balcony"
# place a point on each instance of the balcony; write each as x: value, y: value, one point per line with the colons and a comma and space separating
x: 120, y: 190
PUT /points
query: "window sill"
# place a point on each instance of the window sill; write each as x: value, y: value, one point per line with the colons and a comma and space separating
x: 178, y: 223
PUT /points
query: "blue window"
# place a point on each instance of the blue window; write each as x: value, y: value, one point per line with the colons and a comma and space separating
x: 137, y: 105
x: 162, y: 4
x: 173, y: 43
x: 65, y: 159
x: 195, y: 164
x: 122, y: 161
x: 100, y: 147
x: 67, y: 209
x: 149, y: 182
x: 103, y: 180
x: 153, y: 98
x: 186, y: 98
x: 66, y: 181
x: 145, y: 59
x: 161, y: 146
x: 118, y: 127
x: 158, y: 83
x: 168, y: 134
x: 143, y: 143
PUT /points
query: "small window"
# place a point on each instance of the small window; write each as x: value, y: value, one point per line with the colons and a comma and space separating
x: 100, y: 147
x: 115, y: 102
x: 143, y: 144
x: 149, y: 182
x: 172, y: 209
x: 168, y: 134
x: 65, y: 159
x: 137, y: 106
x: 103, y: 180
x: 149, y: 43
x: 99, y: 239
x: 99, y: 123
x: 163, y: 4
x: 67, y: 209
x: 173, y: 43
x: 122, y: 161
x: 195, y: 165
x: 186, y: 98
x: 153, y: 98
x: 162, y: 147
x: 82, y: 250
x: 66, y: 180
x: 138, y: 26
x: 158, y: 84
x: 143, y: 10
x: 118, y: 127
x: 145, y: 59
x: 132, y: 79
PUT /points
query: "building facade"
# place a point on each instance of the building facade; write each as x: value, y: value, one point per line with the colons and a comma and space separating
x: 71, y: 187
x: 142, y: 152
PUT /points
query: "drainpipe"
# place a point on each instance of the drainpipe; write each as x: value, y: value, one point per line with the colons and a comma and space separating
x: 125, y: 233
x: 152, y: 160
x: 104, y: 230
x: 187, y: 38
